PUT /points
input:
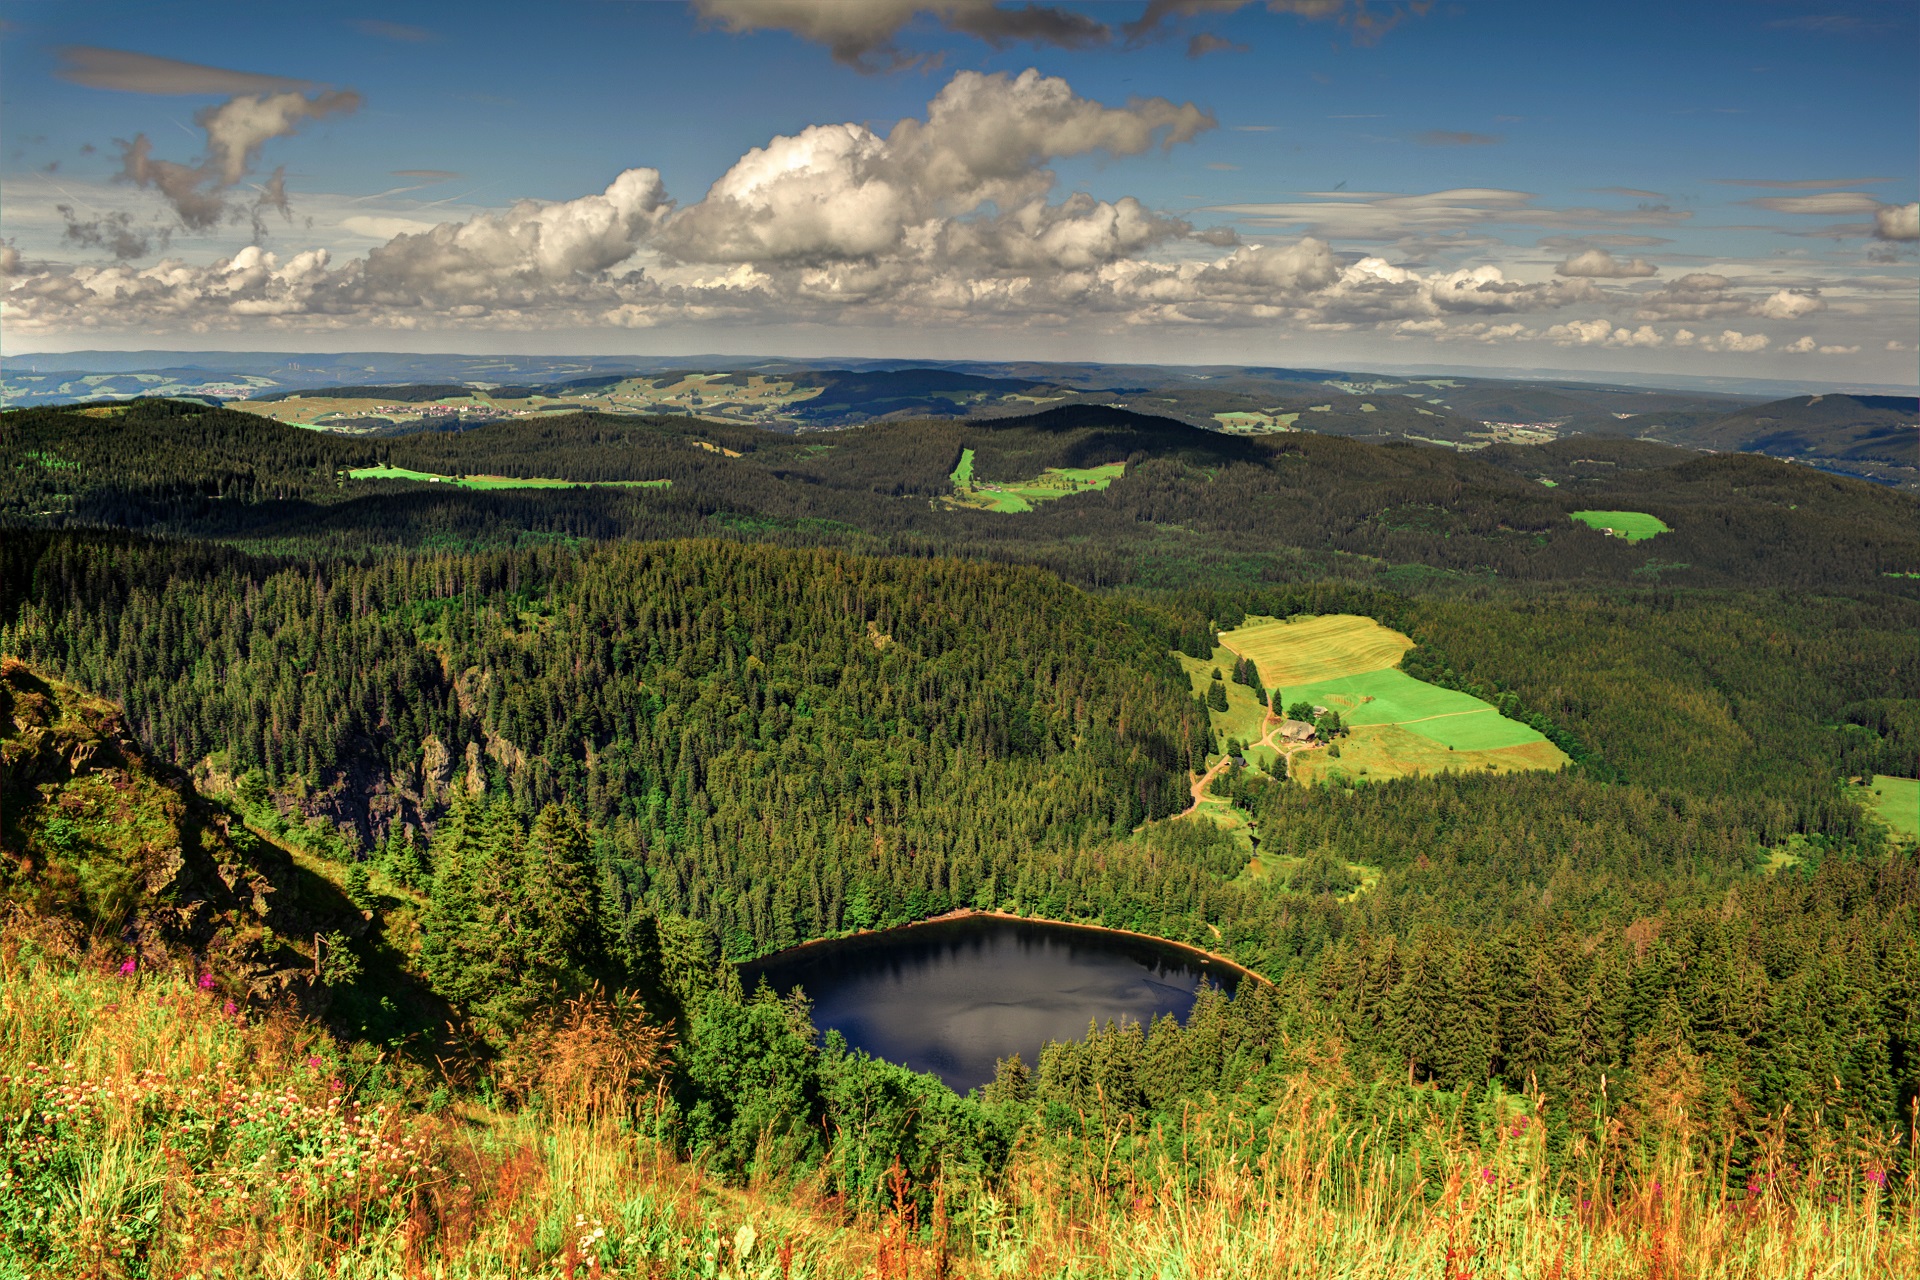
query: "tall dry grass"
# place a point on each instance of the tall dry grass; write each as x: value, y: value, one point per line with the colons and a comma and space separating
x: 1324, y: 1198
x: 148, y: 1128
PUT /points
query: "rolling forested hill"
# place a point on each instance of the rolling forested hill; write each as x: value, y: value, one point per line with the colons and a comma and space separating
x: 1240, y: 508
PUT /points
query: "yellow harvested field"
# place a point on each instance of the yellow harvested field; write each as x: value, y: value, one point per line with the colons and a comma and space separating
x: 1309, y: 650
x: 1379, y: 753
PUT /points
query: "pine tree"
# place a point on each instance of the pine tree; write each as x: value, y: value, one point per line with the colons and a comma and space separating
x: 358, y: 886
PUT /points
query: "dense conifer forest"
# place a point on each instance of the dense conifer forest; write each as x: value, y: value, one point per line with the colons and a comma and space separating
x: 563, y: 741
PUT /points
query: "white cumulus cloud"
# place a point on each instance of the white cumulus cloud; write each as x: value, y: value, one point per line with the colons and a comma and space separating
x: 1897, y: 221
x: 1600, y: 332
x: 1806, y: 345
x: 841, y: 191
x: 1598, y: 264
x: 1789, y: 304
x: 1731, y: 340
x: 951, y: 218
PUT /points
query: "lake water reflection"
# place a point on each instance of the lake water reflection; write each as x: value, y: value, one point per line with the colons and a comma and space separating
x: 952, y: 997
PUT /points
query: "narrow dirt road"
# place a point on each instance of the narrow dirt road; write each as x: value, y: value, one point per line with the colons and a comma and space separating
x: 1200, y: 784
x: 1199, y: 790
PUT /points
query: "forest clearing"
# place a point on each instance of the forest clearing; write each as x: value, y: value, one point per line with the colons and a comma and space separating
x: 1020, y: 495
x: 1634, y: 526
x: 1296, y: 651
x: 1397, y: 725
x: 494, y: 482
x: 1897, y: 801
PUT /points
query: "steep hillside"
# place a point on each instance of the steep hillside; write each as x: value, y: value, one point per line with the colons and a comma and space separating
x: 111, y: 841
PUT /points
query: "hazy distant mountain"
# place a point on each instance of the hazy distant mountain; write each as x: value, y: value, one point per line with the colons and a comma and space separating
x: 1871, y: 436
x: 1874, y: 437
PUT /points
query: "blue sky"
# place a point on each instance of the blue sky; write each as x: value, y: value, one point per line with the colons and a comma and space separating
x: 1712, y: 188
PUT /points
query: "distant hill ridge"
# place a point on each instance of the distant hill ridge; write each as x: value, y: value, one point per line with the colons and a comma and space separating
x: 1872, y: 437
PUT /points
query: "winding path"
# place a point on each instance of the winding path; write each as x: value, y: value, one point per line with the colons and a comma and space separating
x: 1273, y: 723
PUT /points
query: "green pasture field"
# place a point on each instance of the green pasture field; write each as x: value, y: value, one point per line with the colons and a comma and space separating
x: 1244, y: 716
x: 1634, y: 526
x: 1897, y: 801
x: 1054, y: 482
x: 1398, y: 726
x: 495, y: 482
x: 1447, y: 716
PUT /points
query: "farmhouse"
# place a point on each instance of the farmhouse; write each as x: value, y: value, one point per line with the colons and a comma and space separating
x: 1296, y: 731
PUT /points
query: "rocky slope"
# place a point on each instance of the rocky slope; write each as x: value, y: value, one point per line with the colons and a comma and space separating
x: 108, y: 846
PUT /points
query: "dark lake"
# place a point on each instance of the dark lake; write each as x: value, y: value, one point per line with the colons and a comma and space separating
x: 952, y: 997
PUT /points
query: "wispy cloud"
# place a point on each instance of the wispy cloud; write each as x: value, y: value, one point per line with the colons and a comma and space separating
x: 1455, y: 138
x: 864, y: 34
x: 1206, y: 42
x: 1798, y: 184
x: 127, y: 72
x: 396, y: 31
x: 1367, y: 25
x: 1828, y: 204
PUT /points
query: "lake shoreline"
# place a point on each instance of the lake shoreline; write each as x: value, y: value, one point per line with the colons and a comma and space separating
x: 971, y: 913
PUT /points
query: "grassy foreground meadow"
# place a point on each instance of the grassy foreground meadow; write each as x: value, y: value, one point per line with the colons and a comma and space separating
x: 152, y: 1128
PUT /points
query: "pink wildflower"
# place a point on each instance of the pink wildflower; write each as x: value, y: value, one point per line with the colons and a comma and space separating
x: 229, y: 1007
x: 206, y: 981
x: 1878, y: 1177
x: 313, y: 1062
x: 1488, y: 1176
x: 127, y: 969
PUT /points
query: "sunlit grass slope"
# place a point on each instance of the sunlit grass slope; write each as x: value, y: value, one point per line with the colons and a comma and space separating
x: 1451, y: 718
x: 1301, y: 651
x: 1016, y: 496
x: 151, y: 1129
x: 1634, y: 526
x: 1400, y: 726
x: 1897, y: 801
